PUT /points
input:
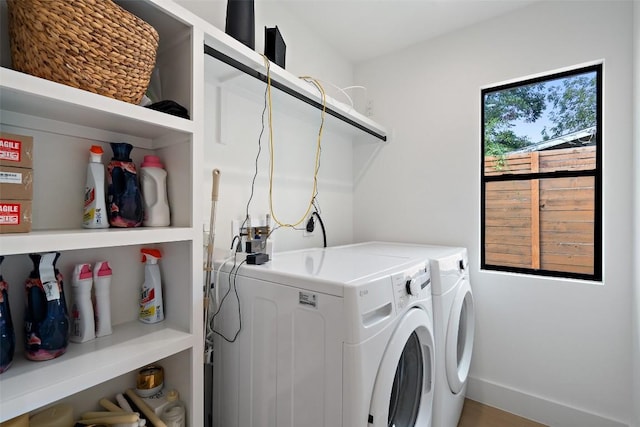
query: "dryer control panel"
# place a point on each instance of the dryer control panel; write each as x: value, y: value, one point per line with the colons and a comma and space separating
x: 412, y: 285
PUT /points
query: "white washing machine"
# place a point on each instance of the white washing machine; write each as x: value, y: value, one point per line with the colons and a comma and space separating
x: 329, y: 337
x: 453, y: 317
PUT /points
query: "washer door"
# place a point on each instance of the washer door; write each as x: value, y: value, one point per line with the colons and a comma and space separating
x: 403, y: 391
x: 459, y: 339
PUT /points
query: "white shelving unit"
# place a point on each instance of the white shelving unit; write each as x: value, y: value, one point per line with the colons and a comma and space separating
x: 65, y: 122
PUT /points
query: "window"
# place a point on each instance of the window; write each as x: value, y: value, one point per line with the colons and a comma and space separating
x: 541, y: 204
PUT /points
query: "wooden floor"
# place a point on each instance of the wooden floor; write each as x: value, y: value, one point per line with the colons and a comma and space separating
x: 476, y: 414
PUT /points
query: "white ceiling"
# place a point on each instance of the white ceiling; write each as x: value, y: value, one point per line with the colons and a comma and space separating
x: 364, y: 29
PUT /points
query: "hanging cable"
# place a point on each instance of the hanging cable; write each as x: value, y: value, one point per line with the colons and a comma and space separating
x: 314, y: 191
x: 324, y: 232
x: 233, y: 275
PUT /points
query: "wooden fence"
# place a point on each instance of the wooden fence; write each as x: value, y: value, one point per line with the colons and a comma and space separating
x: 544, y: 223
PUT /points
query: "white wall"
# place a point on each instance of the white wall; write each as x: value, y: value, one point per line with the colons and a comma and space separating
x: 306, y: 54
x: 635, y: 354
x: 295, y: 135
x: 556, y: 351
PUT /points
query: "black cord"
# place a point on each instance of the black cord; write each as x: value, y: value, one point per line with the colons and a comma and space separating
x: 255, y: 174
x: 246, y: 217
x: 235, y: 289
x: 233, y: 241
x: 324, y: 232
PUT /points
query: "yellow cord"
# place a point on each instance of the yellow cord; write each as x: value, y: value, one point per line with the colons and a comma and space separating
x: 271, y: 158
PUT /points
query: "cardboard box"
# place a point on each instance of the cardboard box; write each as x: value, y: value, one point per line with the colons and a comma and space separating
x: 16, y: 150
x: 15, y: 216
x: 16, y: 183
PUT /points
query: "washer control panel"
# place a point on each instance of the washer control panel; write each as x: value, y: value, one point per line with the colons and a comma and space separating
x: 412, y: 285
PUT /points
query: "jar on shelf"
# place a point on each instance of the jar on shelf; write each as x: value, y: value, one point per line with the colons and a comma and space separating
x: 174, y: 414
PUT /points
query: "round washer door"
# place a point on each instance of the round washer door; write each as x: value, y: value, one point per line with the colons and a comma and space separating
x: 403, y: 390
x: 459, y: 339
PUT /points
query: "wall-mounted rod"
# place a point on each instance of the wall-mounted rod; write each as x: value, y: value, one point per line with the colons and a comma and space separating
x: 286, y: 89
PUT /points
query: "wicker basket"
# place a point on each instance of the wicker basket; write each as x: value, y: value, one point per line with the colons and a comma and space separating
x: 93, y: 45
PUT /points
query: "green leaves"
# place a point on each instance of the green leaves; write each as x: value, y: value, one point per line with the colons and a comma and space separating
x: 560, y: 106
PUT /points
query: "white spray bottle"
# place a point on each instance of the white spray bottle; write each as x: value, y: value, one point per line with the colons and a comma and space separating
x: 82, y: 323
x: 95, y: 208
x: 102, y: 288
x: 151, y: 310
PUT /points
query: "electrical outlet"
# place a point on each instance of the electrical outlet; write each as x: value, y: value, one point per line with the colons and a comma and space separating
x: 260, y: 226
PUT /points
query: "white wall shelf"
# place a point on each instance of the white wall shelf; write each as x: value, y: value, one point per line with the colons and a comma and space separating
x: 32, y: 96
x: 229, y: 61
x: 29, y: 384
x: 67, y: 240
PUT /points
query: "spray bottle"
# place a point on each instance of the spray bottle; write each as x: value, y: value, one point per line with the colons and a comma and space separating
x: 151, y: 310
x: 82, y: 322
x: 102, y: 287
x: 95, y: 208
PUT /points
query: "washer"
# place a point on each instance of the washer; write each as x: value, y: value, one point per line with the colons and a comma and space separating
x: 454, y: 325
x: 330, y: 337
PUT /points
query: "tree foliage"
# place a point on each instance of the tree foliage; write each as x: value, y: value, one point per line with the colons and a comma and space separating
x: 503, y: 108
x: 569, y: 104
x: 573, y: 106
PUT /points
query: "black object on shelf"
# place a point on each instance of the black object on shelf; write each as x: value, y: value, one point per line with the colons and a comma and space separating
x: 274, y: 47
x: 240, y: 22
x: 208, y: 50
x: 170, y: 107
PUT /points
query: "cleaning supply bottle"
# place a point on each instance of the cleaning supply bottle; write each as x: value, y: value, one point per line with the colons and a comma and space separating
x: 7, y: 333
x: 153, y: 180
x: 102, y: 288
x: 125, y: 201
x: 174, y: 414
x: 151, y: 310
x: 95, y: 208
x: 82, y: 320
x: 46, y: 321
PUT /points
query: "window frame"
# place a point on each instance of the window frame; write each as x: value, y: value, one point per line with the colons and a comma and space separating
x: 596, y: 173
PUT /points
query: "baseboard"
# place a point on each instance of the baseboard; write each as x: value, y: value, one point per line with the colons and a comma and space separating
x: 534, y: 408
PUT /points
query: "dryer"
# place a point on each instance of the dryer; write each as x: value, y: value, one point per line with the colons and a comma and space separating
x: 329, y: 337
x: 453, y: 318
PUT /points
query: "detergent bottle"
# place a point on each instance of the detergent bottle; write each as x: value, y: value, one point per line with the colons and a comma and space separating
x: 95, y: 207
x: 7, y: 333
x: 153, y: 180
x: 151, y: 310
x: 46, y: 321
x: 125, y: 201
x: 82, y: 320
x: 102, y: 288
